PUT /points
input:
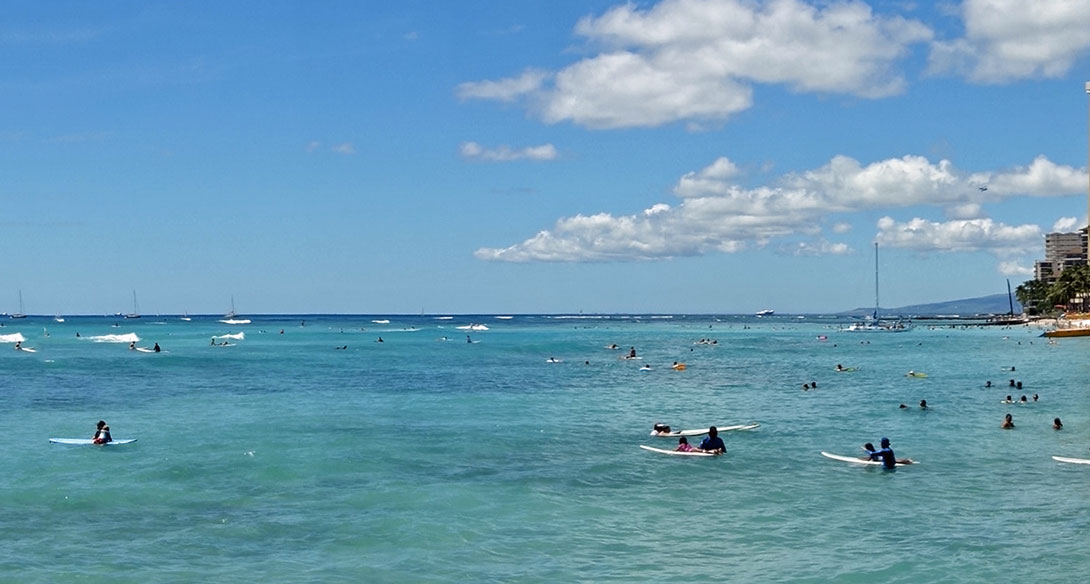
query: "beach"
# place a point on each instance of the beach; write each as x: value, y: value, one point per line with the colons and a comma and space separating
x: 426, y: 458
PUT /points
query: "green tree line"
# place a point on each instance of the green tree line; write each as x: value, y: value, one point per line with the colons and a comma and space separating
x: 1041, y: 298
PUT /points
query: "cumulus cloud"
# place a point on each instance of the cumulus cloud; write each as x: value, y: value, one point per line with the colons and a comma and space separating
x: 842, y: 227
x: 959, y: 236
x: 718, y: 214
x: 504, y: 153
x: 1013, y: 269
x: 697, y: 60
x: 1006, y: 40
x: 1064, y: 224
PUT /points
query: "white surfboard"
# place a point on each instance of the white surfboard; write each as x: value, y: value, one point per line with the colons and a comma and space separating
x: 1071, y: 460
x: 855, y: 460
x: 145, y: 350
x: 676, y: 452
x: 88, y: 441
x: 720, y: 429
x: 28, y: 349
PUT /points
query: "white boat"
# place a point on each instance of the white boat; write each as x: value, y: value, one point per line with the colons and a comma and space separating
x: 185, y: 317
x: 766, y: 312
x: 135, y: 307
x: 873, y: 324
x: 19, y: 314
x: 58, y: 318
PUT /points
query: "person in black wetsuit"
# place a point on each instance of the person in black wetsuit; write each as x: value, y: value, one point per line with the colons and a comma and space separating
x: 885, y: 454
x: 713, y: 443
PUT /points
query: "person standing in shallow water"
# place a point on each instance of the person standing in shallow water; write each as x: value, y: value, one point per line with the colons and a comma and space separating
x: 1008, y: 422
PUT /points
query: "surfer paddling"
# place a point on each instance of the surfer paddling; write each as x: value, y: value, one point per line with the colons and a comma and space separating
x: 885, y: 455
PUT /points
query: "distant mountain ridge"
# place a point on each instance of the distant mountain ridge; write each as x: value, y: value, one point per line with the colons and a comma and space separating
x: 993, y: 304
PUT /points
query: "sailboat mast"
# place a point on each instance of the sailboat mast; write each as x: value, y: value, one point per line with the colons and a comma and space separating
x: 1009, y: 299
x: 876, y: 281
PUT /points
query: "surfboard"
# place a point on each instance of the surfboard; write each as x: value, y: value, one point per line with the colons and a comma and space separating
x: 845, y: 370
x: 145, y: 350
x: 28, y: 349
x: 720, y: 429
x: 855, y: 460
x: 1071, y: 460
x: 675, y: 452
x: 916, y: 374
x: 89, y: 442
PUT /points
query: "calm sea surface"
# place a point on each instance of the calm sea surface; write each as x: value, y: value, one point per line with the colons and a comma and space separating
x: 284, y: 459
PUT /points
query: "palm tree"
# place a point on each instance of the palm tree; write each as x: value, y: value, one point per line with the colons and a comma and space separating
x: 1073, y: 282
x: 1033, y: 294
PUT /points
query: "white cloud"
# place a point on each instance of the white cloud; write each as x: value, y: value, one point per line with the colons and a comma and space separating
x: 960, y: 236
x: 697, y: 60
x: 964, y: 211
x: 716, y: 214
x: 1013, y: 269
x: 819, y: 247
x: 505, y: 89
x: 842, y: 227
x: 344, y: 148
x: 504, y: 153
x: 1064, y: 225
x: 1007, y: 40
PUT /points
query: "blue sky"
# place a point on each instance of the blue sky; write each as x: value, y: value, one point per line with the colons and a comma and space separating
x: 463, y: 157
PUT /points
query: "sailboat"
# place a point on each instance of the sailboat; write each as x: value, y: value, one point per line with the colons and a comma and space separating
x: 185, y: 317
x: 232, y: 316
x: 19, y: 314
x: 874, y: 325
x: 135, y: 307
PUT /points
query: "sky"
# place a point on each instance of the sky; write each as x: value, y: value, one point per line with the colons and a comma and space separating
x: 680, y: 156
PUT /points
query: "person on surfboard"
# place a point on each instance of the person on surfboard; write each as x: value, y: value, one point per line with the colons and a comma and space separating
x: 102, y: 434
x: 885, y: 454
x: 683, y: 445
x: 712, y: 442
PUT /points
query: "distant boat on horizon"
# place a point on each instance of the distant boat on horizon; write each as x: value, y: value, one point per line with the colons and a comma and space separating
x: 19, y: 314
x: 232, y: 317
x: 766, y: 312
x: 135, y: 307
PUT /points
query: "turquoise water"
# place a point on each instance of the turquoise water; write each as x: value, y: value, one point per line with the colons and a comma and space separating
x: 281, y: 459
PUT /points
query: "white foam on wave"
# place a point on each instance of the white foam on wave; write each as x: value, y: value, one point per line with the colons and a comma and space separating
x: 235, y: 336
x: 125, y: 338
x: 236, y: 321
x: 472, y: 327
x: 13, y: 338
x: 381, y: 321
x: 444, y: 318
x: 505, y: 317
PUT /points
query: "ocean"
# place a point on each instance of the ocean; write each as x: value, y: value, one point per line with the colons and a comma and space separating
x: 425, y: 458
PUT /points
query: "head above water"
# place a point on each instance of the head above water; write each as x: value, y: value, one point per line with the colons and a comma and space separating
x: 885, y: 442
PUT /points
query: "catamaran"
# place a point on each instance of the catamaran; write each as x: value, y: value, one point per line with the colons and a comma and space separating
x: 873, y: 325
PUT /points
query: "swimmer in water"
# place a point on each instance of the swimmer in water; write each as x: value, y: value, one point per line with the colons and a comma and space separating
x: 1008, y: 422
x: 1057, y: 424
